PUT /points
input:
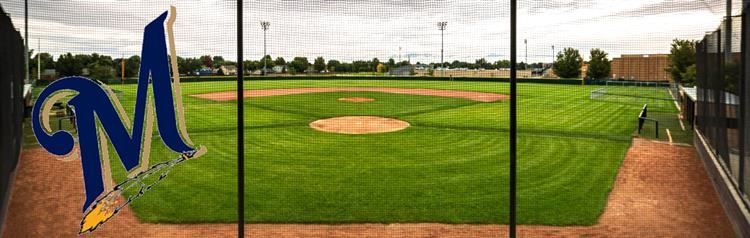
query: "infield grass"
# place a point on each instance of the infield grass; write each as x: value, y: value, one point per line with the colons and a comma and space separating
x: 450, y: 166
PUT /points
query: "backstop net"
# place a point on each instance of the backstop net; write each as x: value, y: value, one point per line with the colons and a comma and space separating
x: 376, y: 118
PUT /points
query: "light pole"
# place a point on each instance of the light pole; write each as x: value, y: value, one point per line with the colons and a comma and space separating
x: 399, y: 54
x: 39, y: 60
x: 526, y: 56
x: 441, y: 26
x: 553, y: 54
x: 122, y: 68
x: 265, y: 25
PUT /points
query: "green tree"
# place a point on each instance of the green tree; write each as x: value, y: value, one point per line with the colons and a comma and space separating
x: 381, y: 68
x: 689, y: 74
x: 361, y: 66
x: 374, y: 64
x: 184, y: 65
x: 599, y: 65
x: 269, y: 63
x: 334, y: 66
x: 299, y: 65
x: 681, y: 56
x: 568, y: 63
x: 101, y: 72
x: 319, y: 64
x: 194, y: 64
x: 522, y: 65
x: 68, y: 65
x: 280, y: 62
x: 482, y: 63
x: 218, y: 61
x: 207, y: 61
x: 132, y: 65
x: 502, y: 64
x: 251, y: 65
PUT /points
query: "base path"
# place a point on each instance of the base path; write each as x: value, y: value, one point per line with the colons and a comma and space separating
x: 471, y: 95
x: 356, y: 99
x: 661, y: 191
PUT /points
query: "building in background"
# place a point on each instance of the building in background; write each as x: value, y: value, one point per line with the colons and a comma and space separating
x: 641, y: 67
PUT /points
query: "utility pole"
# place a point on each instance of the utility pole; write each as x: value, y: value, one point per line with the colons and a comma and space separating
x: 265, y: 25
x: 399, y: 54
x: 39, y: 60
x: 122, y: 73
x: 441, y: 26
x: 553, y: 54
x: 728, y: 31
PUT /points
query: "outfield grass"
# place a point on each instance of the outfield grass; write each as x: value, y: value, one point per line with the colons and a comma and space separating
x: 450, y: 166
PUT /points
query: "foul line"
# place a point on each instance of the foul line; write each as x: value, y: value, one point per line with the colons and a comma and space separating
x: 670, y: 136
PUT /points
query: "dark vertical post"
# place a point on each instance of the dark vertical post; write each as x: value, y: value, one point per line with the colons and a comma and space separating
x: 240, y: 128
x: 728, y: 32
x: 26, y: 39
x: 512, y: 221
x: 743, y: 114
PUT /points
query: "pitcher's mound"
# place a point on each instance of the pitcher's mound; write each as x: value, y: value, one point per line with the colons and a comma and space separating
x: 359, y: 125
x: 356, y: 99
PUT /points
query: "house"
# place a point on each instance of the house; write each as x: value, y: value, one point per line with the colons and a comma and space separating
x: 204, y: 72
x: 49, y: 74
x: 422, y: 67
x: 227, y: 70
x: 279, y: 69
x: 406, y: 70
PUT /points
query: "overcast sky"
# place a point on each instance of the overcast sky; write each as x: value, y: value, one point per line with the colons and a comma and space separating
x: 351, y: 30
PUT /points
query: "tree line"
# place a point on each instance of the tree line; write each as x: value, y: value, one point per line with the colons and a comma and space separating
x: 681, y: 64
x: 105, y: 67
x: 568, y: 64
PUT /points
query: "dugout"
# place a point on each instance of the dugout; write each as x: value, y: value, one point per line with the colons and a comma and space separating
x: 11, y: 106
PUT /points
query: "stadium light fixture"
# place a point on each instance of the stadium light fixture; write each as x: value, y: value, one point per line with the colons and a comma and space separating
x: 526, y: 56
x: 265, y: 25
x: 441, y: 26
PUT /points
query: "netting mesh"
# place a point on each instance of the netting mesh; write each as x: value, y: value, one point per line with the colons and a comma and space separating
x: 391, y: 119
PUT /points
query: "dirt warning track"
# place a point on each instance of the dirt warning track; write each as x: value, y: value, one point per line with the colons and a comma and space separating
x: 470, y: 95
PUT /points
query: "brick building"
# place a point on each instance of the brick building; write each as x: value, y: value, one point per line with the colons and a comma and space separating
x: 641, y: 67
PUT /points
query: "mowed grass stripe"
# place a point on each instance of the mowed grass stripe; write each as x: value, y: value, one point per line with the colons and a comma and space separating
x: 449, y: 167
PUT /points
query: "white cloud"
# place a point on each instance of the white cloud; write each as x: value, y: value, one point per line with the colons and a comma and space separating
x: 351, y: 30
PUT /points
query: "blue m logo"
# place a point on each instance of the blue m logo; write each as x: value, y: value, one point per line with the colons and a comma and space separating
x: 99, y: 117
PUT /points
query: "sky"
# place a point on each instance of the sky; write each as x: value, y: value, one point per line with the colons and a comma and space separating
x: 383, y: 29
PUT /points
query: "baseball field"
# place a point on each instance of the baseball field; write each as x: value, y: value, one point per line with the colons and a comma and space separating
x: 448, y: 164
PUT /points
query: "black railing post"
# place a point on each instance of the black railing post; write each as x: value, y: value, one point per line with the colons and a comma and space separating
x: 240, y: 128
x: 743, y: 113
x: 513, y: 118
